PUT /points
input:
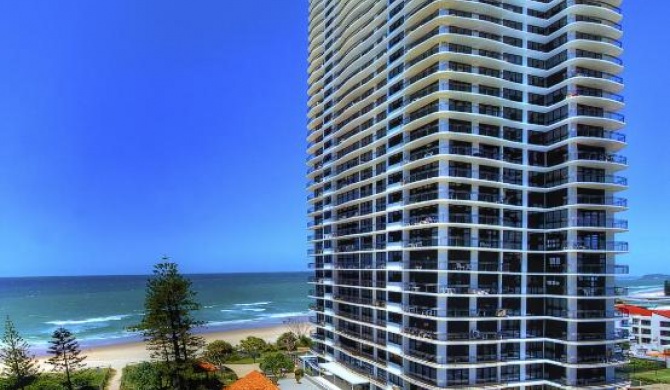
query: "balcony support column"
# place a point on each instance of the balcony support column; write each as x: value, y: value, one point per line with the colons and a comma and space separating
x: 610, y: 374
x: 571, y: 329
x: 443, y: 125
x: 572, y: 149
x: 443, y: 105
x: 571, y: 286
x: 442, y: 230
x: 442, y: 374
x: 609, y: 328
x: 474, y: 265
x: 442, y: 264
x: 473, y: 372
x: 443, y: 166
x: 524, y: 276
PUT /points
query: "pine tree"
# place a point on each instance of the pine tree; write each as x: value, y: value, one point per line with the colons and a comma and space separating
x: 20, y: 365
x: 66, y: 354
x: 168, y: 321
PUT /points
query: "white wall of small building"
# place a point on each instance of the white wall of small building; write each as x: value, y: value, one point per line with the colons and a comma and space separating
x: 652, y: 332
x: 660, y: 331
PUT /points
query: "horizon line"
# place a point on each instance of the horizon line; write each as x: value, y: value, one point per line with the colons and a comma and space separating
x: 186, y: 274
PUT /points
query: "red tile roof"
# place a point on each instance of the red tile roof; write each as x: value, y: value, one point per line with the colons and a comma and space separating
x: 641, y: 311
x: 206, y: 366
x: 253, y: 381
x: 634, y: 310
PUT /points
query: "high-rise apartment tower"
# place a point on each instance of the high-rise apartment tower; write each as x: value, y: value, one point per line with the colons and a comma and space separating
x: 463, y: 176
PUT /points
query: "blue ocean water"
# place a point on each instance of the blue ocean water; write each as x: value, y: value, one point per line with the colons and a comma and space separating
x: 98, y: 309
x: 642, y: 284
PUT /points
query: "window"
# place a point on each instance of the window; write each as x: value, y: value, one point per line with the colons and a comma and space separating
x: 458, y: 377
x: 514, y: 77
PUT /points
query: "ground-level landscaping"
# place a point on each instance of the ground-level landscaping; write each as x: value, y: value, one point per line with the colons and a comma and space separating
x: 151, y: 376
x: 647, y: 372
x: 88, y: 379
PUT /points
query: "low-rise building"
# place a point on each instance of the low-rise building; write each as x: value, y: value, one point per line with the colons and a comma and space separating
x: 253, y: 381
x: 649, y: 328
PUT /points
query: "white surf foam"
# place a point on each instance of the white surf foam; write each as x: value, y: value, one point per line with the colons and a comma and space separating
x: 221, y: 323
x: 93, y: 320
x: 252, y: 304
x: 289, y: 314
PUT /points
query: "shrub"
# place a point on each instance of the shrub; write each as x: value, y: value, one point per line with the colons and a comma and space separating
x: 304, y: 341
x: 145, y: 375
x: 299, y: 373
x: 87, y: 379
x: 151, y: 375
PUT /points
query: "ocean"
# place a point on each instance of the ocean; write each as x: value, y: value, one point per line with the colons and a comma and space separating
x: 642, y: 284
x: 99, y: 309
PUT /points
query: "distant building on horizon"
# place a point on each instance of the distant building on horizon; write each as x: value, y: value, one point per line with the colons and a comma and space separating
x: 464, y: 170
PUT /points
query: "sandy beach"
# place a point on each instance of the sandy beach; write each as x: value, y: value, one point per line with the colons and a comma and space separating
x: 120, y: 355
x: 649, y: 294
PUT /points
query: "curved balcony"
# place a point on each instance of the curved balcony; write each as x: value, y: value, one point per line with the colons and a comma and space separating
x: 594, y: 92
x: 437, y: 312
x: 610, y: 246
x: 580, y: 314
x: 594, y: 3
x: 577, y: 35
x: 600, y: 179
x: 596, y: 200
x: 614, y: 116
x: 582, y: 222
x: 584, y: 73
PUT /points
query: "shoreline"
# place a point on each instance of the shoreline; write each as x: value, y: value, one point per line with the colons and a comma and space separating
x: 204, y: 331
x: 651, y: 293
x: 119, y: 355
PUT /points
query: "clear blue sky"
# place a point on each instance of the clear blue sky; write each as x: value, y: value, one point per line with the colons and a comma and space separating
x: 133, y: 128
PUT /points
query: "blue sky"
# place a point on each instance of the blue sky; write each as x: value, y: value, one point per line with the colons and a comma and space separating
x: 134, y: 128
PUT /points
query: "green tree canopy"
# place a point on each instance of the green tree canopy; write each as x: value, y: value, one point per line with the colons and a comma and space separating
x: 168, y: 321
x: 287, y: 341
x: 19, y: 365
x: 253, y: 346
x: 276, y: 363
x: 218, y: 352
x: 66, y: 354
